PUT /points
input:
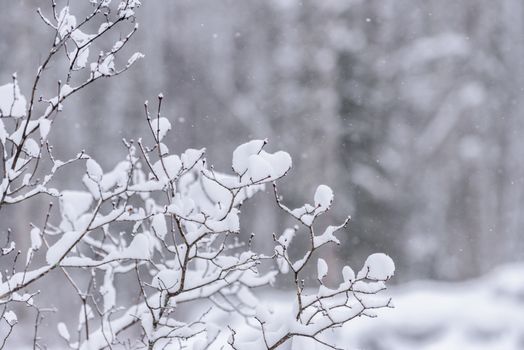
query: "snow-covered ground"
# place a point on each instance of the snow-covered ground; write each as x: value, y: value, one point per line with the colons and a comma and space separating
x: 485, y: 313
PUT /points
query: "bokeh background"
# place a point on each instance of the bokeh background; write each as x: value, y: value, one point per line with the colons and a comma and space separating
x: 410, y: 110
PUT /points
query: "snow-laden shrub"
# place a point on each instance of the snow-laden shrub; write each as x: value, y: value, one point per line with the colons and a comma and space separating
x: 166, y: 223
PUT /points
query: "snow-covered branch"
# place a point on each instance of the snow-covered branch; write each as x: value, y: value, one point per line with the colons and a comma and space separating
x: 167, y: 224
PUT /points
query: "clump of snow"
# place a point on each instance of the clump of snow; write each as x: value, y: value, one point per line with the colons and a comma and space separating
x: 116, y: 177
x: 16, y: 136
x: 108, y: 290
x: 126, y: 9
x: 134, y: 57
x: 280, y: 163
x: 45, y: 127
x: 66, y: 22
x: 139, y: 248
x: 322, y: 269
x: 12, y: 102
x: 191, y: 156
x: 160, y: 127
x: 327, y: 236
x: 3, y: 132
x: 348, y: 274
x: 169, y: 167
x: 256, y: 165
x: 378, y: 267
x: 94, y: 170
x: 74, y: 203
x: 62, y: 331
x: 158, y: 224
x: 259, y: 168
x: 36, y: 238
x: 323, y: 197
x: 31, y: 148
x: 10, y: 317
x: 62, y: 246
x: 167, y: 280
x: 242, y: 153
x: 106, y: 67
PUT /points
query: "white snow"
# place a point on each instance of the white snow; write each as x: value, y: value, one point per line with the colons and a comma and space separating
x: 62, y: 246
x: 31, y: 147
x: 105, y: 67
x: 83, y: 56
x: 169, y: 167
x: 167, y: 279
x: 158, y: 224
x: 139, y: 248
x: 241, y: 154
x: 191, y: 156
x: 481, y: 314
x: 348, y: 274
x: 323, y: 197
x: 108, y: 290
x: 259, y: 165
x: 36, y: 239
x: 322, y: 268
x: 10, y: 317
x: 116, y: 177
x: 94, y: 170
x: 62, y: 331
x: 378, y: 266
x: 66, y: 22
x: 74, y: 203
x: 160, y: 127
x: 16, y: 136
x: 65, y: 90
x: 45, y: 127
x: 259, y: 168
x: 12, y: 102
x: 280, y: 163
x: 327, y: 236
x: 136, y: 56
x: 3, y: 132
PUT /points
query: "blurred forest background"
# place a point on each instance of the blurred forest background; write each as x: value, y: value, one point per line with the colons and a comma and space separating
x: 410, y: 110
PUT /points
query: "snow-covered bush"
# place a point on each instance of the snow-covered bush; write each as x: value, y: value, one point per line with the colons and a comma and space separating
x: 166, y: 224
